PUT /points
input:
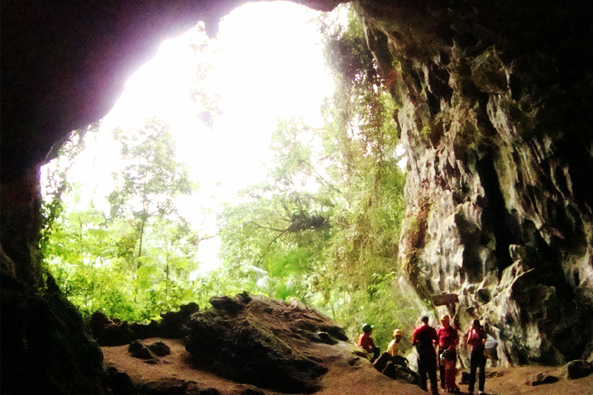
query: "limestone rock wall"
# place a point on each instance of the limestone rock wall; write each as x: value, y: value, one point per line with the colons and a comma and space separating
x: 496, y: 117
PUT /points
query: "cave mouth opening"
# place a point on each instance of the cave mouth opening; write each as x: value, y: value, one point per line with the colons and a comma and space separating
x: 550, y: 68
x: 220, y: 98
x: 266, y: 64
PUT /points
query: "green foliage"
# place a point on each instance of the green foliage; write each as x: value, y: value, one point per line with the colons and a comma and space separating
x: 275, y: 238
x: 56, y: 181
x: 325, y: 226
x: 389, y: 309
x: 137, y: 261
x: 153, y: 178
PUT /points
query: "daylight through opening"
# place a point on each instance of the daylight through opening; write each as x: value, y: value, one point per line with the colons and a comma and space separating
x: 266, y: 160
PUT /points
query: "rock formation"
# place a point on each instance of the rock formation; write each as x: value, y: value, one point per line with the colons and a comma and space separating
x: 495, y: 113
x: 496, y: 118
x: 260, y: 341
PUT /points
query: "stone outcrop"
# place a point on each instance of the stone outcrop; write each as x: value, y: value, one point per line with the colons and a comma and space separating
x: 110, y: 331
x: 495, y: 113
x: 261, y: 341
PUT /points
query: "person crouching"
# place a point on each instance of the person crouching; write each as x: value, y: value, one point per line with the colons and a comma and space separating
x: 365, y: 341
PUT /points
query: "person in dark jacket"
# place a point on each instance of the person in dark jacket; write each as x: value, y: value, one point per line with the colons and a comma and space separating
x: 476, y: 337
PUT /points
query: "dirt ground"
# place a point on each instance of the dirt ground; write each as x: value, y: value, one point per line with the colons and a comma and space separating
x: 342, y: 378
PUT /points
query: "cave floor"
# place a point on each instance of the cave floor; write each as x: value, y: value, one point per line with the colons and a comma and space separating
x: 341, y: 378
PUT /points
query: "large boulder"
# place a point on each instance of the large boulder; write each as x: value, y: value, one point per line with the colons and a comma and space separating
x: 110, y: 331
x: 260, y: 341
x: 578, y: 368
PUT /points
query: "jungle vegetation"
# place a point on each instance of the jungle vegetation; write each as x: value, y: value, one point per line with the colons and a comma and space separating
x: 323, y: 228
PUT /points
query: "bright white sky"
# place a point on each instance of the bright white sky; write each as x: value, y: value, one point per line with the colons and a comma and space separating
x: 269, y: 65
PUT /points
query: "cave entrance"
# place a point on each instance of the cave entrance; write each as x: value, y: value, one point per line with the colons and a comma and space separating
x: 292, y: 177
x: 221, y: 99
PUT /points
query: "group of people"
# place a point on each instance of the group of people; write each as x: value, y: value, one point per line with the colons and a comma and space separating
x: 444, y: 359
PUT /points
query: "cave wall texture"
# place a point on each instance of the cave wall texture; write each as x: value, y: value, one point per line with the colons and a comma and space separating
x: 495, y: 112
x: 496, y: 101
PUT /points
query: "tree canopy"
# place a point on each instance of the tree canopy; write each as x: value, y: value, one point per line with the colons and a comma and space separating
x: 322, y: 228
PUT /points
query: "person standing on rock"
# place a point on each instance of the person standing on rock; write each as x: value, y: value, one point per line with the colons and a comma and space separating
x: 476, y: 338
x: 448, y: 341
x: 365, y: 341
x: 424, y: 338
